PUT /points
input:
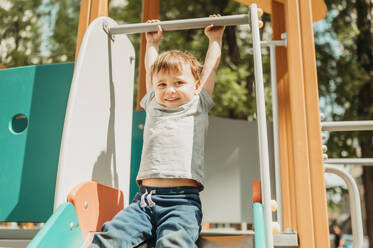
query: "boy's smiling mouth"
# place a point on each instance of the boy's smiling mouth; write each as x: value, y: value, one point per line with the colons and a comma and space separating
x: 172, y: 99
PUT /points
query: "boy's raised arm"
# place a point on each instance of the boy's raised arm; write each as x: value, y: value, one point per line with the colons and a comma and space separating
x: 214, y: 34
x: 151, y: 53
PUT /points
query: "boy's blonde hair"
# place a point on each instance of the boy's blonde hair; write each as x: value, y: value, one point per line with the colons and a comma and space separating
x: 173, y: 61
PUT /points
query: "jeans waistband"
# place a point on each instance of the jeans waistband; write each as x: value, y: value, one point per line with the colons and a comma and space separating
x: 169, y: 190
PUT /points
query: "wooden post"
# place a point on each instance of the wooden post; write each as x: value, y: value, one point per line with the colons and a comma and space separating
x: 150, y: 10
x: 304, y: 201
x: 89, y: 10
x: 318, y: 189
x: 285, y: 128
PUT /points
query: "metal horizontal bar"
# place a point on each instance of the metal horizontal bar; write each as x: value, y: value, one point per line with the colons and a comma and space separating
x: 347, y: 126
x: 268, y: 43
x: 350, y: 161
x: 183, y: 24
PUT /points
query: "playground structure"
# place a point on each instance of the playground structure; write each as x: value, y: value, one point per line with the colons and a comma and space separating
x: 106, y: 156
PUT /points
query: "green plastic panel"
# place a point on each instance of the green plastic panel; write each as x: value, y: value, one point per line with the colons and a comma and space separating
x: 138, y: 122
x: 62, y: 230
x: 32, y: 109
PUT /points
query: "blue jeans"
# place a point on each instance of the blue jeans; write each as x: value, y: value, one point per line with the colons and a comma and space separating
x: 166, y: 217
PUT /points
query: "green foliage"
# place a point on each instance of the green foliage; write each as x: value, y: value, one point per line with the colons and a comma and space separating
x: 63, y: 40
x: 20, y: 32
x: 345, y: 71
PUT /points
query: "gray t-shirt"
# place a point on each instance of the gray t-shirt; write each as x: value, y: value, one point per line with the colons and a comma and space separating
x: 174, y: 138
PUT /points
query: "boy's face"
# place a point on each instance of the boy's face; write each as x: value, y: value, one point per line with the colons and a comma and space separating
x: 175, y: 89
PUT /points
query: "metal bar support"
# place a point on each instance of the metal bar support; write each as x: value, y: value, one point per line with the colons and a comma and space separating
x: 183, y: 24
x: 355, y: 207
x: 262, y: 125
x: 272, y: 53
x: 350, y: 161
x: 270, y: 43
x: 336, y: 126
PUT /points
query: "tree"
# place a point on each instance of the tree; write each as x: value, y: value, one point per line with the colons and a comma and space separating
x: 345, y: 71
x: 62, y: 42
x: 20, y: 32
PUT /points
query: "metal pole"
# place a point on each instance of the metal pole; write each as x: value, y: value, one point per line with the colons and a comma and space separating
x: 272, y: 54
x: 262, y: 125
x: 347, y: 126
x: 350, y: 161
x: 269, y: 43
x: 184, y: 24
x: 355, y: 208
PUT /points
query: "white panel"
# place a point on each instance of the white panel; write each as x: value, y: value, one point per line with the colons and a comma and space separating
x: 231, y: 164
x: 96, y: 140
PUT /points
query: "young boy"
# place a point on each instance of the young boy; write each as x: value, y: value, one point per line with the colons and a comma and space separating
x: 168, y: 209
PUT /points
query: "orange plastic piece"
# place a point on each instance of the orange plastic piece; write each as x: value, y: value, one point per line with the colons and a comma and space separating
x: 257, y: 192
x: 95, y: 204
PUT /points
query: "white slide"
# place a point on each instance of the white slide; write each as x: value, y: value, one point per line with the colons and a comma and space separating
x: 96, y: 139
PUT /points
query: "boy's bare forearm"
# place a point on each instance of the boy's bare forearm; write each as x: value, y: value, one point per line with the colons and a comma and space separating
x: 151, y: 52
x: 151, y: 55
x: 211, y: 64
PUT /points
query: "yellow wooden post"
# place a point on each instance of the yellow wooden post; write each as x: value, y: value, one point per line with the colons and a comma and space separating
x: 285, y: 127
x: 150, y: 10
x: 304, y: 201
x: 318, y: 194
x: 89, y: 10
x: 299, y: 143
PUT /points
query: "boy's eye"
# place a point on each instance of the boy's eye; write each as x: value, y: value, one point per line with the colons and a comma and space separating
x: 161, y: 85
x: 179, y: 82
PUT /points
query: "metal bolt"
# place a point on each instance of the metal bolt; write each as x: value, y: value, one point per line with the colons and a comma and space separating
x: 260, y: 24
x: 260, y: 12
x: 71, y: 225
x: 324, y: 148
x: 324, y: 156
x: 323, y: 136
x: 322, y: 116
x: 85, y: 204
x: 141, y: 126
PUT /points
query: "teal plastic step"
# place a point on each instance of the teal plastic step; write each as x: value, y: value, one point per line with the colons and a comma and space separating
x: 62, y: 230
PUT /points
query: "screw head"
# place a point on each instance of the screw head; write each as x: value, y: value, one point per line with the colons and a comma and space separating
x: 325, y: 156
x: 71, y: 225
x: 324, y: 148
x: 322, y: 116
x: 85, y: 204
x: 141, y: 126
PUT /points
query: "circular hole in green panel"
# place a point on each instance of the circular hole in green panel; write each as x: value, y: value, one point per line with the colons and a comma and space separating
x: 19, y: 123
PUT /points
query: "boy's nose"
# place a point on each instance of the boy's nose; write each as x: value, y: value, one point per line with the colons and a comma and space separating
x: 170, y: 90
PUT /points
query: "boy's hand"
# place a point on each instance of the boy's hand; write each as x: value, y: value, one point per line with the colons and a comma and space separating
x: 214, y: 33
x: 154, y: 37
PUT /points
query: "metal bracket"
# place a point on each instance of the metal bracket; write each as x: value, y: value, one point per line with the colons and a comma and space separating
x: 131, y: 61
x: 105, y: 26
x: 284, y: 36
